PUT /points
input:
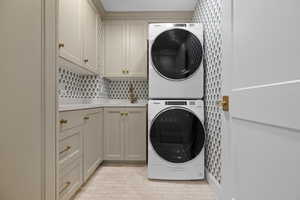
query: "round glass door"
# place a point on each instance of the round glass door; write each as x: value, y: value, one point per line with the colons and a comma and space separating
x: 176, y: 54
x: 177, y: 135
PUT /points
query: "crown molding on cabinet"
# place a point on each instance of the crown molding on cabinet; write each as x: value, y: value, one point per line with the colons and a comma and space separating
x: 150, y: 15
x: 99, y: 7
x: 155, y: 16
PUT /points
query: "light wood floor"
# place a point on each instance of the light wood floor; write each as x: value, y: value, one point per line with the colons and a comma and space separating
x: 129, y: 182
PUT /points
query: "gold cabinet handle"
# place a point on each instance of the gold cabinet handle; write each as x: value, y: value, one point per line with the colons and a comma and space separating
x: 63, y: 121
x: 124, y: 113
x: 65, y: 187
x: 65, y: 150
x: 61, y: 45
x: 127, y: 71
x: 86, y: 60
x: 86, y: 118
x: 123, y: 71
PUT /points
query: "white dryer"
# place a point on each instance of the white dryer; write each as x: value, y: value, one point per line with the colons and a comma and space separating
x: 175, y: 61
x: 176, y: 139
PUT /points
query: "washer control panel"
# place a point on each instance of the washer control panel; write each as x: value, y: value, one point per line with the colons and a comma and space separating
x: 196, y: 103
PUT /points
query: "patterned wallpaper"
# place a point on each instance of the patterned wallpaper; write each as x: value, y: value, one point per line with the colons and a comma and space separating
x: 209, y: 13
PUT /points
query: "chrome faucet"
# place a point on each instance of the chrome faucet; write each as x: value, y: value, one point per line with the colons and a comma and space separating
x: 132, y: 97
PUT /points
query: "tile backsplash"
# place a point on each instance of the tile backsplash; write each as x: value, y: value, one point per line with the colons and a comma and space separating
x: 77, y: 88
x: 120, y: 89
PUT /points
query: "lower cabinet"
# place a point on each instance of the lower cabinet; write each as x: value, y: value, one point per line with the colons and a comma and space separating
x: 113, y: 134
x: 80, y: 149
x: 125, y: 134
x: 87, y: 137
x: 70, y: 180
x: 93, y: 142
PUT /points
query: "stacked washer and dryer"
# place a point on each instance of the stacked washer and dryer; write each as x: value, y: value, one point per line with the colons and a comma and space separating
x: 176, y: 135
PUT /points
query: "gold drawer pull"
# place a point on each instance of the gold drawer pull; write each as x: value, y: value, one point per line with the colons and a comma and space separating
x: 61, y: 45
x: 124, y: 113
x: 65, y: 150
x: 63, y: 121
x: 65, y: 187
x: 86, y: 118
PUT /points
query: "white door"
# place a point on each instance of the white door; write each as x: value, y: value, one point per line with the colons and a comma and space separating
x: 137, y: 48
x: 262, y: 146
x: 90, y: 35
x: 70, y: 31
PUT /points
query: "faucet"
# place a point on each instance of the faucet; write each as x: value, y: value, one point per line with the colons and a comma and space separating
x: 132, y: 97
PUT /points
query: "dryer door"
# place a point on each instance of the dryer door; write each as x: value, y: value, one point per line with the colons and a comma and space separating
x: 176, y: 54
x: 177, y: 135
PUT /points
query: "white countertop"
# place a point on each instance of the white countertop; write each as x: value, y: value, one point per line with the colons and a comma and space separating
x: 104, y: 103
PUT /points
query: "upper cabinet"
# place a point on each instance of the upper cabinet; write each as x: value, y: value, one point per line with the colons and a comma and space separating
x: 70, y: 30
x: 125, y: 49
x: 114, y: 48
x: 137, y: 48
x: 78, y: 38
x: 90, y: 29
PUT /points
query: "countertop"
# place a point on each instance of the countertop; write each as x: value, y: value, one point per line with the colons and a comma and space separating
x: 104, y: 103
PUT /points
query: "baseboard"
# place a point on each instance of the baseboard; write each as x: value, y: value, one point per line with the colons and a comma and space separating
x: 213, y: 183
x: 124, y: 162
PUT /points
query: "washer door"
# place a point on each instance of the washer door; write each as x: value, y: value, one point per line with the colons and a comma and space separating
x: 176, y: 54
x: 177, y: 135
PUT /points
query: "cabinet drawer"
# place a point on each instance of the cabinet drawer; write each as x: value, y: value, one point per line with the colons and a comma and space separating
x: 69, y: 146
x: 70, y: 180
x: 70, y: 119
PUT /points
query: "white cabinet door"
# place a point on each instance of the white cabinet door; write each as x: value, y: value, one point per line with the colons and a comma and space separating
x: 101, y: 135
x: 137, y: 48
x: 126, y: 48
x: 113, y: 134
x: 90, y: 25
x: 135, y: 134
x: 93, y: 130
x: 70, y: 30
x: 114, y: 45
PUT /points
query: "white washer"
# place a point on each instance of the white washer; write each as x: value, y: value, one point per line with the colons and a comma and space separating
x: 175, y: 61
x: 176, y: 139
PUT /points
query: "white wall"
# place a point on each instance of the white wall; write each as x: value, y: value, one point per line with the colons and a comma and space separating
x: 21, y: 100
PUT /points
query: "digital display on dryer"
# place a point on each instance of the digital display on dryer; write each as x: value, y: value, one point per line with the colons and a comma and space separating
x: 176, y: 103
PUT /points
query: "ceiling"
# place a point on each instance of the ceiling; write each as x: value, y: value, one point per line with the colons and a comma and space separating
x: 148, y: 5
